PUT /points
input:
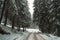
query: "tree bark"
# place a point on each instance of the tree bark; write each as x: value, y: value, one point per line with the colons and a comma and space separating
x: 6, y: 16
x: 5, y: 21
x: 2, y: 11
x: 13, y: 21
x: 19, y: 28
x: 23, y: 29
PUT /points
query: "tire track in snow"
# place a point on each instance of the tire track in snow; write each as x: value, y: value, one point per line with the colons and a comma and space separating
x: 40, y: 37
x: 27, y: 36
x: 31, y: 36
x: 15, y: 38
x: 35, y: 37
x: 21, y: 37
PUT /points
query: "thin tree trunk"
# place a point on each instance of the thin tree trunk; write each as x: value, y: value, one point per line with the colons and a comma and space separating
x: 5, y: 21
x: 6, y: 15
x: 19, y: 28
x: 2, y: 11
x: 13, y: 21
x: 23, y: 29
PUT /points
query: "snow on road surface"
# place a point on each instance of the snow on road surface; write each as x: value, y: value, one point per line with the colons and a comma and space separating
x: 34, y: 36
x: 40, y: 37
x: 30, y: 35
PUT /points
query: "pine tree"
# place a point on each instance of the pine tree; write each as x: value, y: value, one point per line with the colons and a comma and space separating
x: 46, y: 15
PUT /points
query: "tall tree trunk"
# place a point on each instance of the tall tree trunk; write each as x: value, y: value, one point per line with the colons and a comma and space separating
x: 19, y: 28
x: 23, y: 29
x: 5, y: 21
x: 2, y: 11
x: 6, y: 15
x: 13, y: 21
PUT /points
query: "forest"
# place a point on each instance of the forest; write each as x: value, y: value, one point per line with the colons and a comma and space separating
x: 46, y: 17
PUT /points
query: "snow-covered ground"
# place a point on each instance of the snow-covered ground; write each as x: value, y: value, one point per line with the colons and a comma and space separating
x: 49, y: 37
x: 15, y: 35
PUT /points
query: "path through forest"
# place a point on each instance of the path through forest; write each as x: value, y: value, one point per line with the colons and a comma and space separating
x: 34, y: 36
x: 31, y: 36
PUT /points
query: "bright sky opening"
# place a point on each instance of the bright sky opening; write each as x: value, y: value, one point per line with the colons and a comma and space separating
x: 30, y: 4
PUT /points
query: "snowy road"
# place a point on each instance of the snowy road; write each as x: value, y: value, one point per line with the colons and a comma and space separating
x: 31, y: 36
x: 34, y: 36
x: 40, y: 37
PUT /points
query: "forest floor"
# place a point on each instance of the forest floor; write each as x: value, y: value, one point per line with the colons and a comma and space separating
x: 27, y: 35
